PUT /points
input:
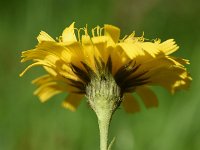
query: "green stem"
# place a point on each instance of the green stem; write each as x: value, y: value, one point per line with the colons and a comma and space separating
x: 104, y: 123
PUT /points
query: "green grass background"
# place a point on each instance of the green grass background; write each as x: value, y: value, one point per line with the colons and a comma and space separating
x: 27, y: 124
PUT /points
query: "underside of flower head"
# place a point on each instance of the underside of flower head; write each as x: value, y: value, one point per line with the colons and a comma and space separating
x: 133, y: 63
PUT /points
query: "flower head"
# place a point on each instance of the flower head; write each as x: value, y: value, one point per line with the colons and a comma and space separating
x: 80, y: 65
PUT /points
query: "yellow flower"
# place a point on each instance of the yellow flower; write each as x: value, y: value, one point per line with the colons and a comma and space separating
x: 76, y: 58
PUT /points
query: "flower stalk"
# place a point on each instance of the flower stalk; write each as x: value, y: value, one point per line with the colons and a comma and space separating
x: 104, y: 123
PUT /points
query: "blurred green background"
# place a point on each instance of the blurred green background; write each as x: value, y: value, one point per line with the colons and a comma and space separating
x: 27, y: 124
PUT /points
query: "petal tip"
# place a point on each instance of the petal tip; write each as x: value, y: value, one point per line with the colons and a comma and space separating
x: 68, y: 106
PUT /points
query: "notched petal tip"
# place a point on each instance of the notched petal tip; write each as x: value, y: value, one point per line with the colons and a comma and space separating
x: 168, y: 46
x: 68, y: 34
x: 112, y: 32
x: 43, y: 36
x: 67, y: 105
x: 183, y: 83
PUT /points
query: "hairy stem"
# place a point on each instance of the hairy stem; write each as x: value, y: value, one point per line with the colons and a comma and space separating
x: 104, y: 123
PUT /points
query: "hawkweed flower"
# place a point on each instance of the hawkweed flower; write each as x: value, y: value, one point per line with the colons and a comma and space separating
x: 105, y: 69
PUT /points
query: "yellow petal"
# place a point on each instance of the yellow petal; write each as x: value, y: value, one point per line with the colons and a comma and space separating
x: 132, y: 50
x: 130, y: 104
x: 147, y: 96
x: 43, y: 36
x: 143, y: 52
x: 51, y: 71
x: 57, y: 49
x: 172, y: 79
x: 168, y: 46
x: 170, y: 73
x: 181, y: 60
x: 149, y: 47
x: 72, y: 101
x: 59, y: 81
x: 112, y: 32
x: 46, y: 91
x: 89, y: 51
x: 40, y: 56
x: 68, y: 34
x: 119, y: 58
x: 100, y: 43
x: 42, y: 80
x: 32, y: 65
x: 45, y: 50
x: 77, y: 54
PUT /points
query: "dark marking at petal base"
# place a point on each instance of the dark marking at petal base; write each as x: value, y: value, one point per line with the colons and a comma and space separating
x: 80, y: 73
x: 97, y: 64
x: 109, y: 64
x: 78, y: 84
x: 127, y: 77
x: 123, y: 69
x: 90, y: 72
x: 126, y: 74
